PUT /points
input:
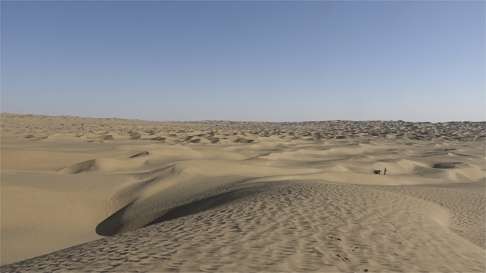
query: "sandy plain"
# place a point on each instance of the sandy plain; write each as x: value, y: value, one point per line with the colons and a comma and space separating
x: 85, y: 194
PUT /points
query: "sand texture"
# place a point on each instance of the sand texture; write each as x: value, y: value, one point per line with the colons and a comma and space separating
x: 87, y: 195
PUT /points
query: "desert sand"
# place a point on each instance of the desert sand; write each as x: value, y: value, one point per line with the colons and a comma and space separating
x: 86, y: 194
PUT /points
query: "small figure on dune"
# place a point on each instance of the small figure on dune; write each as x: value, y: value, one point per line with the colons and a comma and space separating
x: 384, y: 172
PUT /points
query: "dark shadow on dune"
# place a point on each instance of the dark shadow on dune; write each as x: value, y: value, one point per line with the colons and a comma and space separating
x: 85, y: 166
x: 144, y: 153
x: 208, y: 203
x: 446, y: 165
x: 114, y: 224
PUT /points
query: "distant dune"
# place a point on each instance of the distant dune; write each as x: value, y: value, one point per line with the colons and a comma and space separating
x: 84, y: 194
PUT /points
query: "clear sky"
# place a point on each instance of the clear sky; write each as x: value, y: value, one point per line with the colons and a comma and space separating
x: 275, y: 61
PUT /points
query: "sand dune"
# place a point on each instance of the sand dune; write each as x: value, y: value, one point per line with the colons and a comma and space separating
x: 263, y: 197
x: 284, y: 227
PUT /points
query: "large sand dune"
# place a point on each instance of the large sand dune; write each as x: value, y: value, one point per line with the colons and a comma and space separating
x: 222, y: 196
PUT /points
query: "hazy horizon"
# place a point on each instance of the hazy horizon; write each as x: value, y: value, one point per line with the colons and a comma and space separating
x: 242, y: 61
x: 228, y: 120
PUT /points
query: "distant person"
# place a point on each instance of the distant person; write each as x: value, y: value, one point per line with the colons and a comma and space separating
x: 384, y: 172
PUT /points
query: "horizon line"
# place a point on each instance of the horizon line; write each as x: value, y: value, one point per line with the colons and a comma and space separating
x: 227, y: 120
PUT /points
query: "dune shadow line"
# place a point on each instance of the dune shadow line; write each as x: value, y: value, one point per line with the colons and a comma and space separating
x: 114, y: 224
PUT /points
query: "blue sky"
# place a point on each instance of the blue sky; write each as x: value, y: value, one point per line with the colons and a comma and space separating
x: 275, y: 61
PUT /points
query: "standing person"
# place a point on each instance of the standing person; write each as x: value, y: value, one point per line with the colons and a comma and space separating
x: 384, y: 172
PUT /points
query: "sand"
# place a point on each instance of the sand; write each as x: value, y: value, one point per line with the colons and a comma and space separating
x: 88, y: 194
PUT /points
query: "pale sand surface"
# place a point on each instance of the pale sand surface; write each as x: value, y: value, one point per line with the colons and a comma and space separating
x: 234, y: 196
